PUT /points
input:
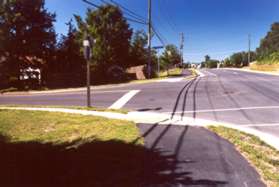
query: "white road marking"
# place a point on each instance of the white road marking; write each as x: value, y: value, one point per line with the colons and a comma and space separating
x: 123, y: 100
x: 200, y: 73
x: 110, y: 91
x: 171, y: 80
x: 235, y: 73
x: 210, y: 73
x: 262, y: 125
x: 227, y: 109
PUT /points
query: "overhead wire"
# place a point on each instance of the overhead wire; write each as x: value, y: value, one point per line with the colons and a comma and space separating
x: 167, y: 17
x: 127, y: 18
x: 126, y: 11
x: 135, y: 18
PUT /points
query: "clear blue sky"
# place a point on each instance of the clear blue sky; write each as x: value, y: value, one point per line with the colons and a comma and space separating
x: 214, y: 27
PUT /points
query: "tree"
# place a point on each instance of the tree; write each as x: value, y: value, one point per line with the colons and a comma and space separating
x: 27, y: 37
x: 112, y: 36
x: 207, y: 58
x: 170, y: 57
x: 209, y: 63
x: 69, y: 52
x: 237, y: 59
x: 139, y: 52
x: 227, y: 62
x: 68, y: 67
x: 270, y: 43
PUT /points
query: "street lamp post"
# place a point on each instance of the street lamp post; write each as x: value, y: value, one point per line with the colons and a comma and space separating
x: 87, y: 55
x: 169, y: 54
x: 158, y: 61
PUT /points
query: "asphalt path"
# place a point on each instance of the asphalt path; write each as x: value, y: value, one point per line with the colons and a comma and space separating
x: 193, y: 156
x: 238, y: 97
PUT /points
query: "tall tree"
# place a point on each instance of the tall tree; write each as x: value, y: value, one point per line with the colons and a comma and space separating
x: 69, y: 54
x: 207, y: 58
x: 237, y: 59
x: 270, y: 43
x: 139, y: 53
x: 27, y: 36
x: 112, y: 35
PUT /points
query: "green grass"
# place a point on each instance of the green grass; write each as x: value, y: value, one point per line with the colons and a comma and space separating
x: 171, y: 72
x: 58, y: 149
x: 269, y: 67
x: 121, y: 111
x: 63, y: 128
x: 262, y: 156
x: 8, y: 90
x: 162, y: 75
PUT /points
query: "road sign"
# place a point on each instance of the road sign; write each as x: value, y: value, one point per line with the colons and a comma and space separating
x: 158, y: 47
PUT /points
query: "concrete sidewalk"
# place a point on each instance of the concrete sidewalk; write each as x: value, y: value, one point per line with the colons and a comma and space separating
x: 160, y: 119
x: 197, y: 157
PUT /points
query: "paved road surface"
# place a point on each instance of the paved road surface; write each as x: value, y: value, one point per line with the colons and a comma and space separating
x: 222, y: 95
x: 197, y: 157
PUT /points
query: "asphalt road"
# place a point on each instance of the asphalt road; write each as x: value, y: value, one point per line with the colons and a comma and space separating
x: 193, y: 156
x: 222, y: 95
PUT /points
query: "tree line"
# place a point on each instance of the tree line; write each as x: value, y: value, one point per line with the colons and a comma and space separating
x: 28, y: 40
x: 266, y: 53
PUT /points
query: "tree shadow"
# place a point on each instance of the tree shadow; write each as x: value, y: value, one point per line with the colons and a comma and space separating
x: 98, y: 163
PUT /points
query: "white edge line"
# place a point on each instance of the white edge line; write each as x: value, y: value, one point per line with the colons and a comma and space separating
x: 226, y: 109
x: 124, y: 99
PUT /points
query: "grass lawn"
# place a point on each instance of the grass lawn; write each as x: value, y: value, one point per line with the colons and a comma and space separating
x: 263, y: 157
x: 171, y: 72
x: 265, y: 65
x: 56, y: 149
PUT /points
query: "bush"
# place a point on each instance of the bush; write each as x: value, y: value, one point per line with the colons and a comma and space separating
x: 272, y: 58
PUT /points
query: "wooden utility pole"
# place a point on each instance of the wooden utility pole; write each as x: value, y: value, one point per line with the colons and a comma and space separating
x: 249, y: 49
x: 182, y: 48
x: 149, y: 38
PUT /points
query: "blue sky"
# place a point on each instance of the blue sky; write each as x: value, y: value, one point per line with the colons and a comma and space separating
x: 214, y: 27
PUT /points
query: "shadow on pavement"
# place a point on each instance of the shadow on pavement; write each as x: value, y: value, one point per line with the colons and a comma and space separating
x: 111, y: 163
x: 180, y: 170
x: 185, y: 88
x: 149, y: 109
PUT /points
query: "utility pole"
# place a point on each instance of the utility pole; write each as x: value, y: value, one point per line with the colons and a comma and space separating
x: 149, y: 38
x: 249, y: 49
x: 182, y: 47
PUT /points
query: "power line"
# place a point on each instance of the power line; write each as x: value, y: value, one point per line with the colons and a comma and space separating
x: 129, y: 19
x: 159, y: 36
x: 168, y: 19
x: 127, y: 12
x: 92, y: 4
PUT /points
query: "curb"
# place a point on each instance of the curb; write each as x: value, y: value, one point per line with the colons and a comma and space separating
x: 253, y: 71
x: 160, y: 119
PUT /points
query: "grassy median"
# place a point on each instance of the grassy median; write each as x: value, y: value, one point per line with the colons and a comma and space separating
x: 263, y: 157
x: 57, y: 149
